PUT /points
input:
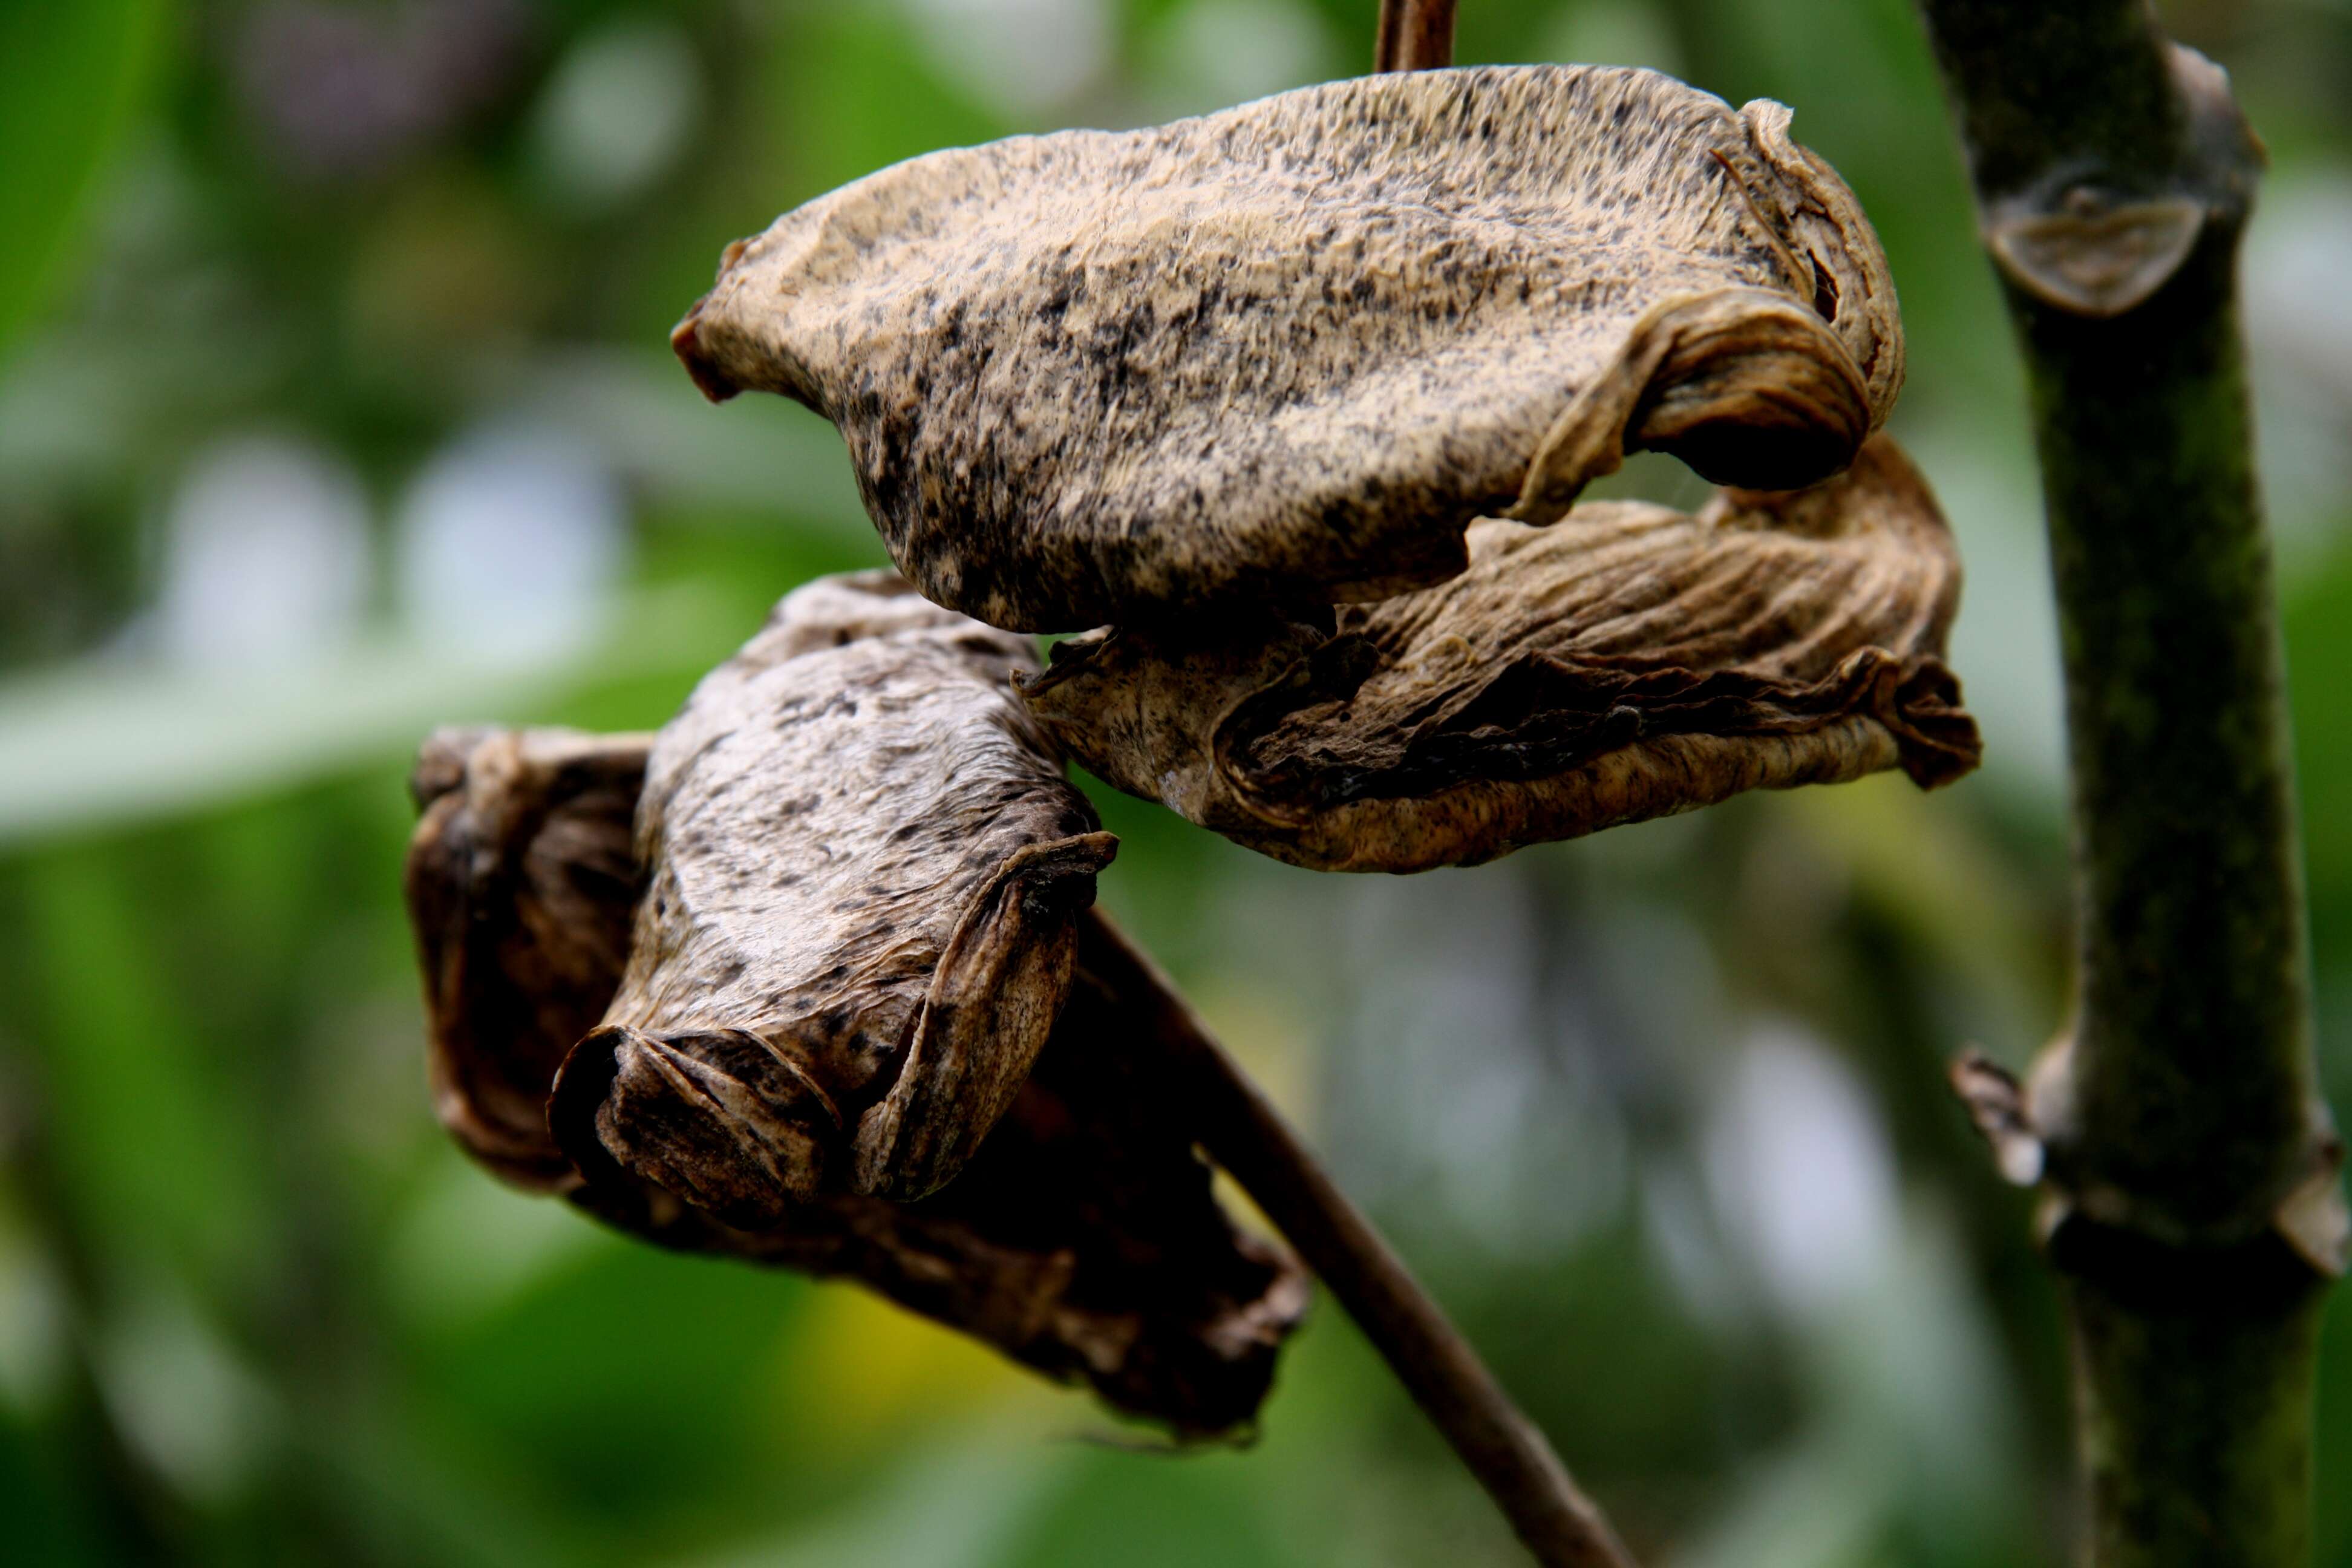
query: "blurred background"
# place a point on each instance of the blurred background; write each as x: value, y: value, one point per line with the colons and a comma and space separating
x: 335, y: 403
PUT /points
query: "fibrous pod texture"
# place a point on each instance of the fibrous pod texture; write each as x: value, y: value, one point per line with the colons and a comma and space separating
x: 515, y: 875
x: 1629, y: 662
x: 1288, y: 352
x: 1081, y: 1238
x: 863, y: 873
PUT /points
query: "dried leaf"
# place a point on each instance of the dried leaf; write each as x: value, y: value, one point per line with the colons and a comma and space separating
x: 1289, y: 352
x: 1080, y: 1239
x: 865, y: 870
x: 514, y: 874
x: 2313, y: 1219
x: 1630, y: 662
x: 1995, y: 1102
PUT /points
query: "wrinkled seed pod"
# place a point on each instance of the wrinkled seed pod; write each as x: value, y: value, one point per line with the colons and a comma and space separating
x: 521, y: 856
x: 863, y: 870
x: 1290, y: 350
x: 1081, y: 1239
x: 1630, y: 662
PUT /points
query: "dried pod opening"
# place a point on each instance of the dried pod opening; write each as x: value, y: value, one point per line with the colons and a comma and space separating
x: 1772, y: 404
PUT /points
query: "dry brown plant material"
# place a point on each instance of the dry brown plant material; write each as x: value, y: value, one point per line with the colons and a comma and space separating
x: 514, y: 878
x: 1630, y: 662
x: 1081, y: 1239
x: 1288, y: 352
x: 863, y: 873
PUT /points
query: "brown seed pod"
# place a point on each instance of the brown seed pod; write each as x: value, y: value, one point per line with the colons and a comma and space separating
x: 1080, y: 1239
x: 513, y: 878
x: 1630, y: 662
x: 1288, y: 352
x: 864, y: 868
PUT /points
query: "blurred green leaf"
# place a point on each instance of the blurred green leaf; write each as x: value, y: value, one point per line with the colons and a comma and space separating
x: 71, y: 72
x: 950, y: 1504
x: 110, y: 743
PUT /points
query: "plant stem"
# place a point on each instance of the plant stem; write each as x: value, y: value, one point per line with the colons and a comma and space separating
x: 1415, y: 34
x: 2190, y: 1158
x: 1245, y: 1135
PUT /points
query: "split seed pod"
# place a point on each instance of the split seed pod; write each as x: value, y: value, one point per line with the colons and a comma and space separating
x: 865, y: 872
x: 1081, y: 1239
x: 1630, y: 662
x: 1288, y: 352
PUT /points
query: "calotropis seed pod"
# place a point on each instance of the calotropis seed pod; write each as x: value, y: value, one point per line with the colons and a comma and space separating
x: 864, y: 872
x: 1288, y: 352
x: 1630, y: 662
x: 1081, y: 1239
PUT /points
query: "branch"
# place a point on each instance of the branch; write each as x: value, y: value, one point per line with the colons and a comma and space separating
x: 1415, y: 34
x: 1247, y: 1136
x: 2188, y: 1157
x: 1243, y: 1133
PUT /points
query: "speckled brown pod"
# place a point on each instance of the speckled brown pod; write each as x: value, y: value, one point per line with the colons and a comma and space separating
x: 1630, y: 662
x: 1290, y: 351
x: 1080, y: 1239
x: 864, y: 870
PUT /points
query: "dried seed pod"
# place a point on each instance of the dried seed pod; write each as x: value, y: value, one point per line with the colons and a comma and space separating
x: 514, y: 873
x: 1290, y: 350
x: 1630, y: 662
x: 863, y: 870
x: 1080, y: 1239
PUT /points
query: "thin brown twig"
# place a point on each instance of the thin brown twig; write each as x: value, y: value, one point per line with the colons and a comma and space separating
x: 1242, y: 1131
x: 1245, y: 1135
x: 1415, y: 34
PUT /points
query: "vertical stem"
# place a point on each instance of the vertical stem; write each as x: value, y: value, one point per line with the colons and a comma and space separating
x: 2193, y: 1393
x: 2191, y: 1162
x: 1415, y: 34
x: 1243, y: 1133
x: 1247, y: 1136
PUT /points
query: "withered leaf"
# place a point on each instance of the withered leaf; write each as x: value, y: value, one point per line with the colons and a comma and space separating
x: 863, y: 870
x: 1630, y: 662
x: 1081, y: 1239
x: 1290, y: 350
x: 515, y: 871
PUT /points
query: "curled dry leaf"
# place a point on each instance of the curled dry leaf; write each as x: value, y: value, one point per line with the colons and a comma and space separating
x: 514, y: 877
x: 1081, y: 1239
x: 1290, y: 351
x: 865, y: 870
x: 1630, y: 662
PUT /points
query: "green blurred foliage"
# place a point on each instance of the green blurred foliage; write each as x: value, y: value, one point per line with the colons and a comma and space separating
x: 79, y: 71
x: 332, y: 352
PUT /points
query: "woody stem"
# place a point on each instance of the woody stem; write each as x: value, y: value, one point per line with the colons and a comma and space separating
x: 1415, y: 34
x: 1245, y: 1135
x: 2188, y: 1153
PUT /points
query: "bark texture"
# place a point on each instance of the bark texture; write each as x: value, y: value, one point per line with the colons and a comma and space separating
x: 1082, y: 1239
x: 1626, y: 663
x: 2188, y: 1160
x: 1288, y: 352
